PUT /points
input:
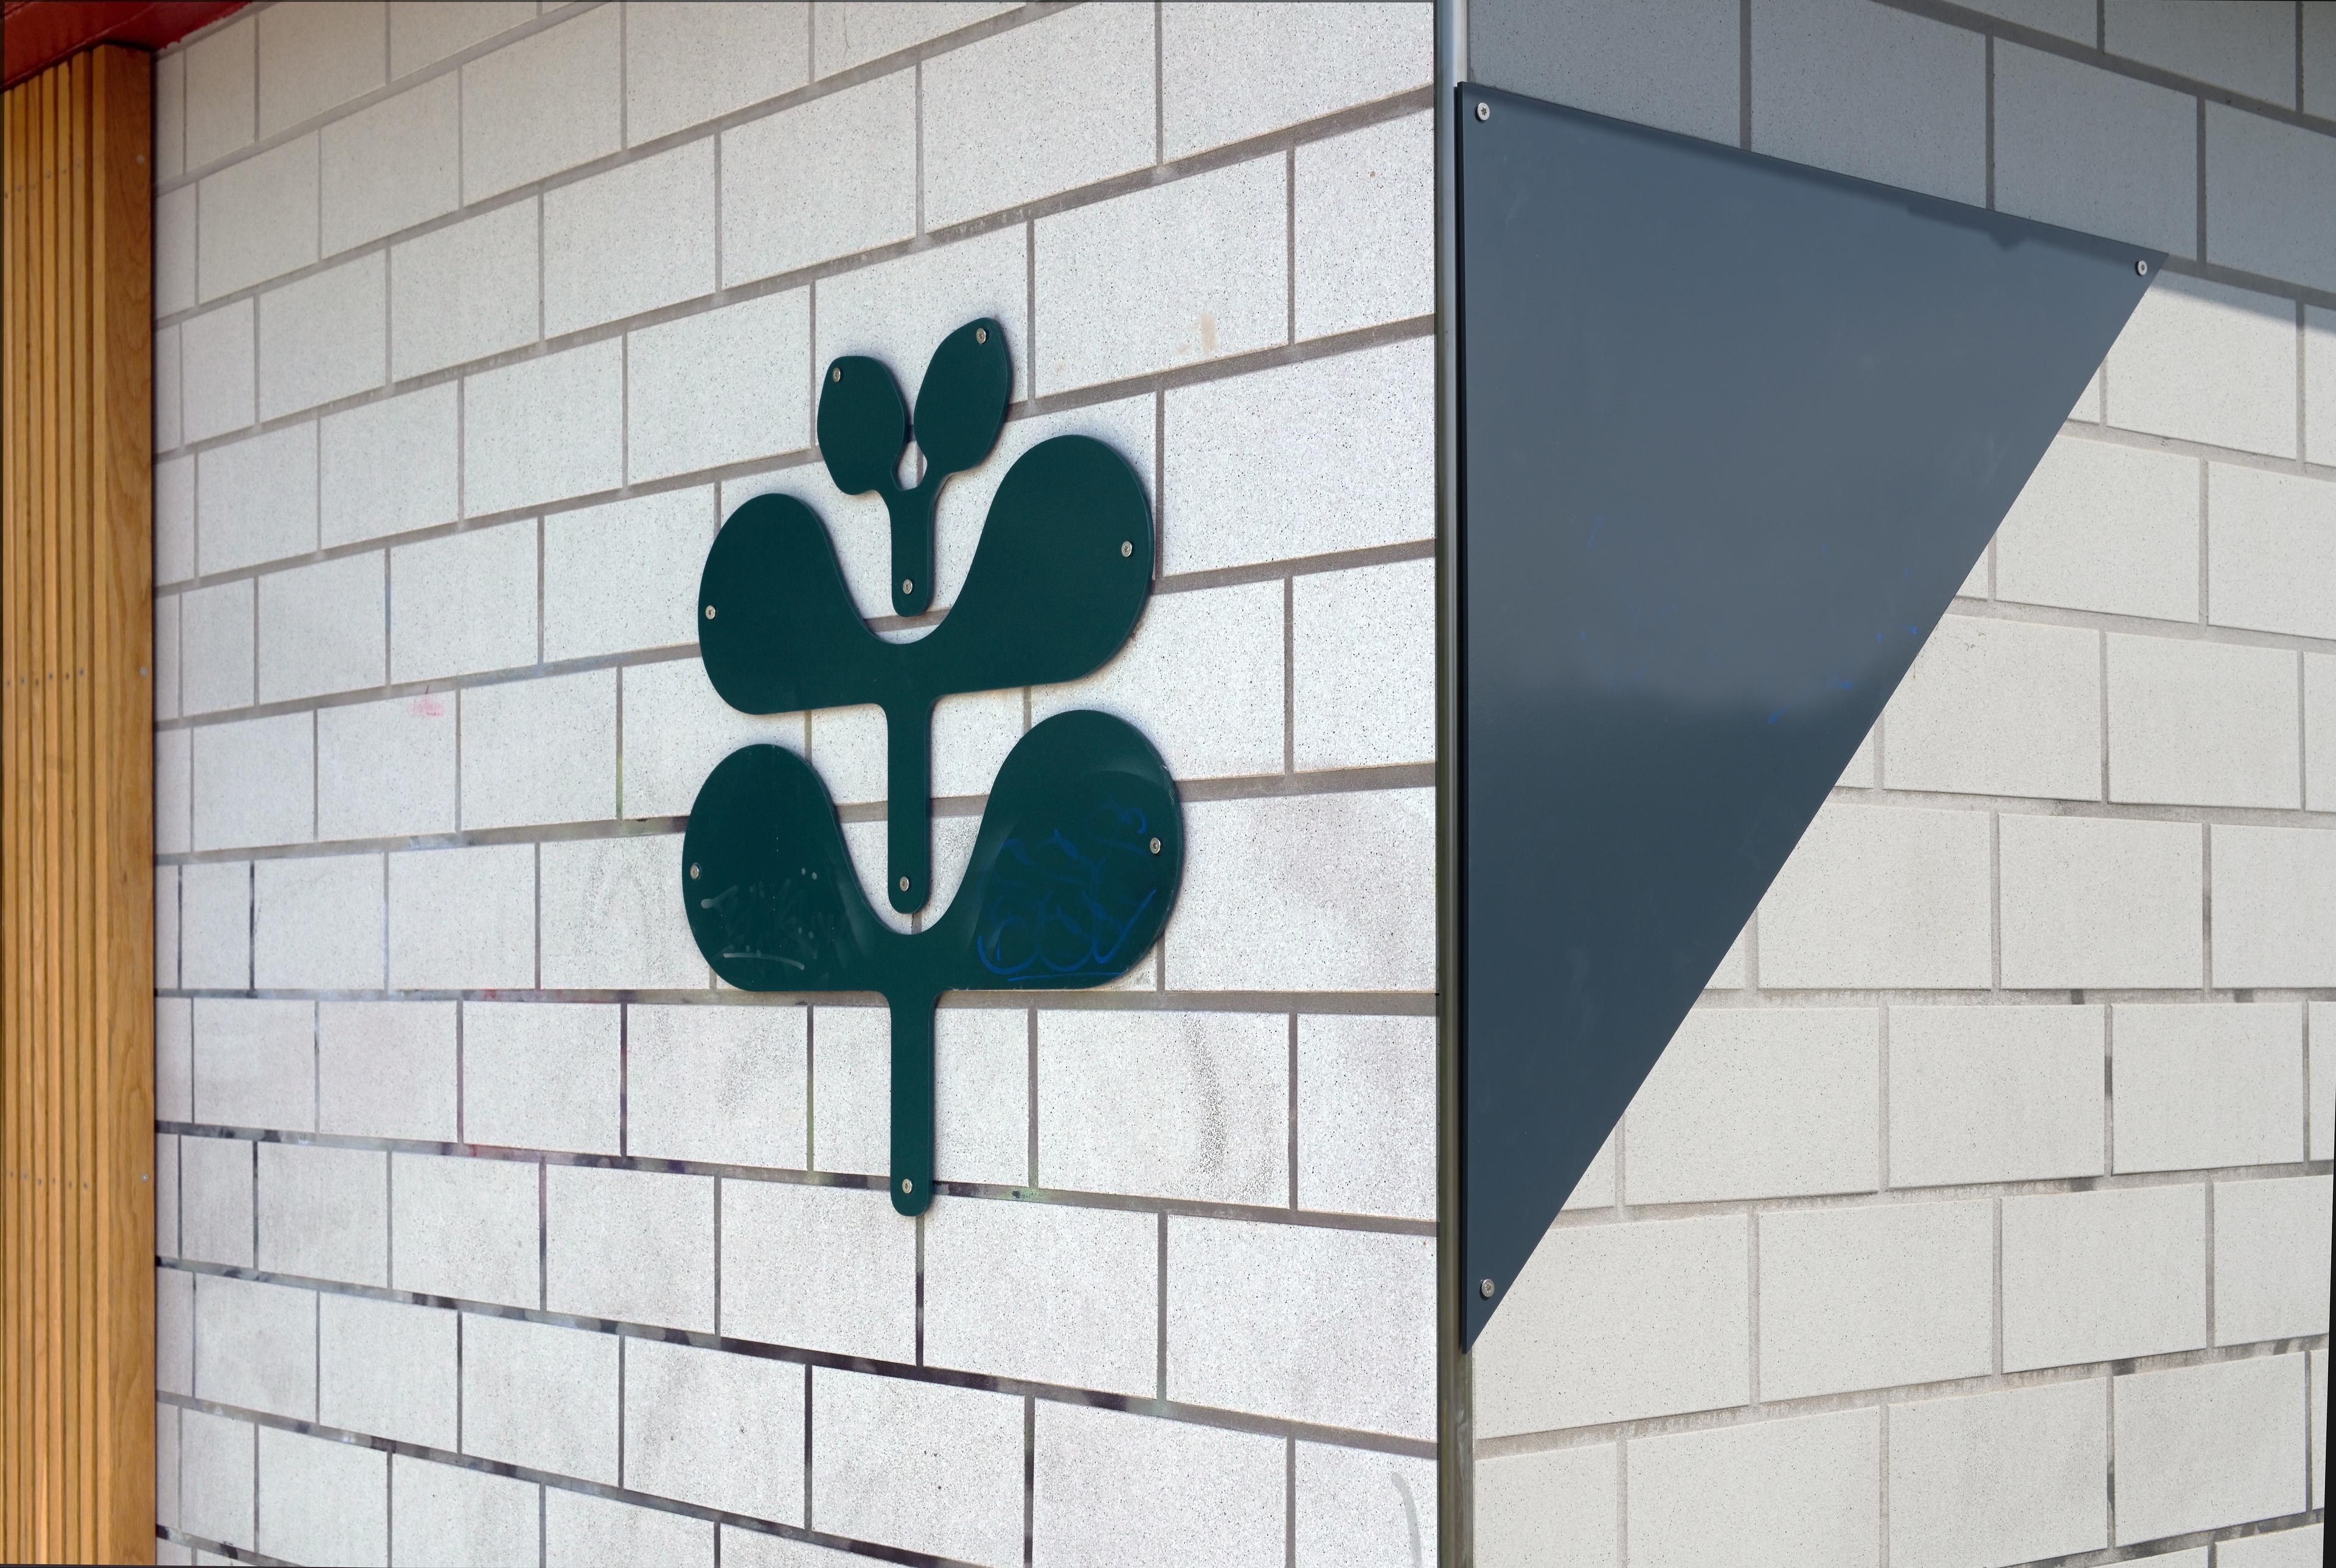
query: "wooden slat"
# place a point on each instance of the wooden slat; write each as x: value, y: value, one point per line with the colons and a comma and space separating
x: 76, y: 818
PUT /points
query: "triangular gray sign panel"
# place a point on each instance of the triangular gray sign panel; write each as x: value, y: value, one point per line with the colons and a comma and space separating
x: 1733, y: 431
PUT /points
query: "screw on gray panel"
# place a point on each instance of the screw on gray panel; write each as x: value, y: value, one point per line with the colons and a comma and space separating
x: 1484, y: 112
x: 2142, y: 268
x: 1484, y: 1288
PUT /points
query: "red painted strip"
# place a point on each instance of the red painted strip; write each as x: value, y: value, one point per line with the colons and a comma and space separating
x: 40, y: 33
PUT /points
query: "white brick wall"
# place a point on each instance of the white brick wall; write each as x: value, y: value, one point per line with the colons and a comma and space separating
x: 473, y: 324
x: 1977, y: 1216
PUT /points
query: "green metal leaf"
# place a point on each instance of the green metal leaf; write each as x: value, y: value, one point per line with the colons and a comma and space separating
x: 863, y: 425
x: 961, y: 402
x: 1073, y: 875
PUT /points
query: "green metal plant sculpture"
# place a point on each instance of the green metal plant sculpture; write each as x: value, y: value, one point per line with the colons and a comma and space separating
x: 1076, y: 864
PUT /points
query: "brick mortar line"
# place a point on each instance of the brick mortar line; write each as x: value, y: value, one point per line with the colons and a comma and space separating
x: 1282, y: 142
x: 1174, y: 378
x: 1062, y: 1198
x: 2190, y: 815
x: 2022, y: 612
x: 2109, y: 434
x: 1207, y: 1416
x: 2125, y: 65
x: 1557, y: 1439
x: 1397, y: 777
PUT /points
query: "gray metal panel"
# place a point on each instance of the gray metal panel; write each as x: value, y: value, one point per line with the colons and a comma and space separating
x: 1733, y: 431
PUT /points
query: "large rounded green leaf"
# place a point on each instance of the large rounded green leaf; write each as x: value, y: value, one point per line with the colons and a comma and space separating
x: 863, y: 426
x: 962, y: 404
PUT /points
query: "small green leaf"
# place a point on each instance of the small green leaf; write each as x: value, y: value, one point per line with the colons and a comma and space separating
x: 961, y: 405
x: 863, y: 427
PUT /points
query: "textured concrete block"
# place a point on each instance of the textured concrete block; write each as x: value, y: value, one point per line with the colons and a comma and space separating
x: 688, y: 64
x: 166, y: 657
x: 924, y: 1466
x: 166, y: 1197
x: 829, y: 178
x: 324, y: 336
x: 2289, y: 1548
x: 465, y: 291
x: 982, y: 1109
x: 1878, y: 93
x: 634, y: 1245
x: 2270, y: 538
x: 258, y: 498
x: 322, y: 628
x: 222, y: 93
x: 2320, y: 380
x: 2274, y: 906
x: 542, y: 1075
x: 2200, y: 1447
x: 322, y: 1501
x: 720, y: 387
x: 166, y: 1469
x: 465, y: 1228
x: 2268, y: 210
x: 1674, y: 64
x: 255, y: 1063
x: 677, y: 728
x: 2322, y: 1071
x: 169, y: 422
x: 316, y: 923
x: 174, y: 506
x: 1869, y: 1298
x: 624, y: 575
x: 2103, y: 1276
x: 259, y: 220
x: 1363, y: 666
x: 463, y: 918
x: 386, y: 769
x: 582, y: 1529
x: 174, y: 1068
x: 314, y: 56
x: 1999, y: 708
x: 174, y: 247
x: 1059, y: 102
x: 391, y: 166
x: 386, y: 1368
x: 386, y: 1069
x: 1801, y: 1492
x: 216, y: 902
x: 607, y: 916
x: 756, y: 1548
x: 2081, y: 147
x: 2250, y: 47
x: 2087, y: 901
x: 508, y: 138
x: 1251, y: 1326
x: 388, y: 467
x: 1758, y: 1103
x: 1110, y: 1486
x: 541, y: 1397
x: 897, y: 310
x: 541, y: 751
x: 722, y: 1085
x: 2207, y: 362
x: 859, y: 1296
x: 256, y: 1346
x: 854, y: 32
x: 171, y: 139
x: 218, y: 371
x: 1880, y: 896
x: 453, y: 1516
x: 1216, y: 1089
x: 2202, y: 1085
x: 174, y: 1330
x: 1998, y: 1094
x: 1366, y: 1087
x: 2197, y: 724
x: 215, y: 1201
x: 2107, y: 528
x: 1169, y: 275
x: 1617, y: 1322
x: 464, y: 603
x: 1356, y: 1508
x: 1045, y: 1292
x: 1364, y: 204
x: 2004, y: 1477
x: 2271, y: 1260
x: 217, y: 1455
x: 424, y: 32
x: 630, y: 240
x: 1262, y: 910
x: 1549, y: 1508
x: 216, y: 624
x: 1230, y: 74
x: 544, y: 429
x: 1202, y: 678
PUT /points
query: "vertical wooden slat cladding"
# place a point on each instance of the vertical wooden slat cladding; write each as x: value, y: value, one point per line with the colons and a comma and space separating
x: 76, y: 818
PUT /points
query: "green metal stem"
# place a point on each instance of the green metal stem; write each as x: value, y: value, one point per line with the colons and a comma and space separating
x: 909, y: 803
x: 912, y: 1184
x: 912, y: 512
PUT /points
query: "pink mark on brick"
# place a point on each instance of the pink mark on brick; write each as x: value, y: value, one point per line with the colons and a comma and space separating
x: 428, y: 707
